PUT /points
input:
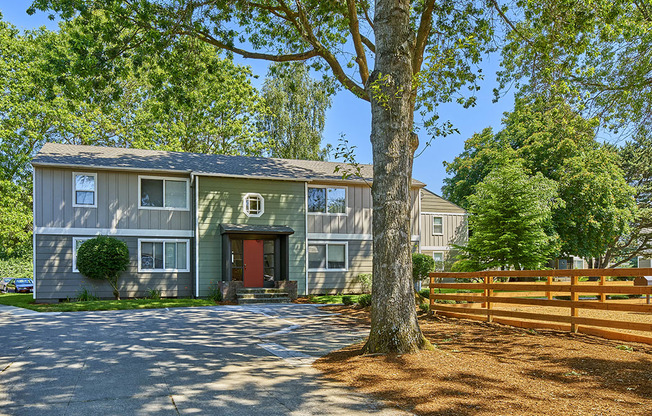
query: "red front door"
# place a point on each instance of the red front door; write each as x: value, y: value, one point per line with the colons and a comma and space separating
x: 253, y: 263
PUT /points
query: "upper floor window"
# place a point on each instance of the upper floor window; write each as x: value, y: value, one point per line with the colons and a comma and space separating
x: 84, y: 187
x: 253, y: 205
x: 160, y: 193
x: 437, y: 226
x: 327, y: 200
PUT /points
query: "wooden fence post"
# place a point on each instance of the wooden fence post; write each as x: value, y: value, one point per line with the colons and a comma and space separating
x: 603, y: 296
x: 549, y: 282
x: 574, y: 298
x: 489, y: 293
x: 432, y: 293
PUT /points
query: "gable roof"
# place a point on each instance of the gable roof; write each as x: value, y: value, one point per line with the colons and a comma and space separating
x: 431, y: 202
x: 77, y: 156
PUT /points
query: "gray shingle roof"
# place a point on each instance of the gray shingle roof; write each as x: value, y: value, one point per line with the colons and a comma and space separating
x: 53, y: 154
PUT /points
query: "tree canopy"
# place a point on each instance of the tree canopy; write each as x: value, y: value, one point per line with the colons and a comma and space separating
x: 511, y: 219
x: 297, y: 105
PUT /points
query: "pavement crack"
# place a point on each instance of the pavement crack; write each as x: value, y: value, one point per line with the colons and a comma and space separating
x: 72, y: 394
x: 15, y: 359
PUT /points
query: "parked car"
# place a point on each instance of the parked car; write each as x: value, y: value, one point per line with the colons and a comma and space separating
x: 3, y: 283
x: 20, y: 286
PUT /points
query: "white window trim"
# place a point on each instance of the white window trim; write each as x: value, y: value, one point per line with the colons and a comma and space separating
x: 261, y: 203
x: 163, y: 178
x: 74, y: 251
x: 433, y: 225
x: 443, y: 255
x: 164, y: 240
x: 74, y: 190
x: 346, y: 200
x: 327, y: 243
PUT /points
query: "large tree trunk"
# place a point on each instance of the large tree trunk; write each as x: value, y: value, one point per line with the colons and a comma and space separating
x: 394, y: 325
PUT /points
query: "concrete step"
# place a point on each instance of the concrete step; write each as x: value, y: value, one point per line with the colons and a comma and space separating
x: 264, y: 300
x: 260, y: 290
x: 261, y: 295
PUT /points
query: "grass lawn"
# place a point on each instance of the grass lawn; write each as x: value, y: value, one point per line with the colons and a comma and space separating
x: 25, y: 301
x: 331, y: 298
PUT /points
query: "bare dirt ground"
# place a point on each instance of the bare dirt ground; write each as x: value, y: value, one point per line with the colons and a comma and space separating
x: 483, y: 368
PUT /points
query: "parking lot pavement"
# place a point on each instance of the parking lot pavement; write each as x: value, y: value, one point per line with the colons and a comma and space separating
x: 222, y: 360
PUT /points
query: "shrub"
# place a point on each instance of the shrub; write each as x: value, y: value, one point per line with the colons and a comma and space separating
x: 84, y: 295
x: 154, y: 294
x: 214, y: 292
x: 365, y: 280
x: 364, y: 300
x: 422, y: 264
x: 425, y: 307
x: 347, y: 300
x: 425, y: 293
x: 103, y: 258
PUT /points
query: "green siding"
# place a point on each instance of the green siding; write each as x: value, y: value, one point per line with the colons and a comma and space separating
x: 220, y: 202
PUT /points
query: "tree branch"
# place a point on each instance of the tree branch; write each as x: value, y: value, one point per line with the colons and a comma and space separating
x: 422, y: 35
x: 369, y: 44
x: 509, y: 22
x: 354, y: 27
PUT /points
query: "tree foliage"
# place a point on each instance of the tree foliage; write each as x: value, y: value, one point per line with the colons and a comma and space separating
x: 103, y: 258
x: 595, y: 54
x: 511, y: 218
x: 15, y: 220
x: 422, y: 264
x: 60, y: 87
x: 297, y: 105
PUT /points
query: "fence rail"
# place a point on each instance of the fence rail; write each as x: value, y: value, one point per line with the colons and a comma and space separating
x: 481, y: 305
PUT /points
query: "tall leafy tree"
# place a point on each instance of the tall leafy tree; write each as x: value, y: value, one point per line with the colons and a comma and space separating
x: 185, y: 98
x: 596, y: 54
x: 636, y: 163
x: 423, y: 53
x: 511, y: 219
x: 15, y: 220
x: 297, y: 107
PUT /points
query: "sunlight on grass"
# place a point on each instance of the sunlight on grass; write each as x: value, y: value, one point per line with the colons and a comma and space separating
x: 26, y: 301
x: 331, y: 298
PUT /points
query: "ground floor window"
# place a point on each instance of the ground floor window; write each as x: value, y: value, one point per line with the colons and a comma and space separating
x: 76, y: 243
x: 324, y: 256
x: 163, y: 255
x: 439, y: 260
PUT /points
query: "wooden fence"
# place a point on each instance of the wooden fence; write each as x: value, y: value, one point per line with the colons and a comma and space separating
x: 481, y: 306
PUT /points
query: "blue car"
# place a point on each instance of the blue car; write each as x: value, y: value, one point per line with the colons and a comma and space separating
x: 20, y: 286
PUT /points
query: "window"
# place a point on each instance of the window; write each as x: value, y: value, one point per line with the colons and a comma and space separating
x: 327, y: 256
x: 439, y: 261
x: 76, y: 243
x: 163, y: 255
x: 84, y: 190
x: 578, y: 263
x: 326, y: 200
x: 253, y: 205
x: 437, y: 226
x: 158, y: 193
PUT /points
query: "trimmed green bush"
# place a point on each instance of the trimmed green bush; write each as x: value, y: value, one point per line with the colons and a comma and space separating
x: 103, y: 258
x: 422, y: 264
x: 364, y: 300
x: 347, y: 300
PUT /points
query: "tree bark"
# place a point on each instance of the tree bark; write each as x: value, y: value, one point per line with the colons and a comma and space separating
x: 394, y: 325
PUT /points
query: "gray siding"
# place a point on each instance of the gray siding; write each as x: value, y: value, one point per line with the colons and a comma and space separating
x: 356, y: 221
x: 56, y: 280
x: 454, y: 230
x: 117, y: 203
x: 360, y: 262
x: 358, y: 214
x: 431, y: 202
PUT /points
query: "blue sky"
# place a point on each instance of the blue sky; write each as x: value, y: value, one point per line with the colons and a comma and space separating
x: 351, y: 116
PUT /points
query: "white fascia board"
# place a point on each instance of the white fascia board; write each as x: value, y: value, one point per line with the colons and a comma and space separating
x: 113, y: 231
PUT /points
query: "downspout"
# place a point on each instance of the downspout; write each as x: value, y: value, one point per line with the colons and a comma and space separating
x: 419, y: 219
x: 305, y: 207
x: 33, y: 232
x: 195, y: 179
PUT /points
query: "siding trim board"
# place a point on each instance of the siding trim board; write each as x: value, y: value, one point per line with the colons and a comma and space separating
x: 436, y: 248
x: 112, y: 231
x: 330, y: 236
x: 444, y: 213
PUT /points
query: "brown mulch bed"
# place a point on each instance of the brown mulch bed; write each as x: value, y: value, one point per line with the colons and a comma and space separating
x: 481, y: 368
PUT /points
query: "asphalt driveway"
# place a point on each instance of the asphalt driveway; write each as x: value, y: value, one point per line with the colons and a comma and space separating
x: 224, y: 360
